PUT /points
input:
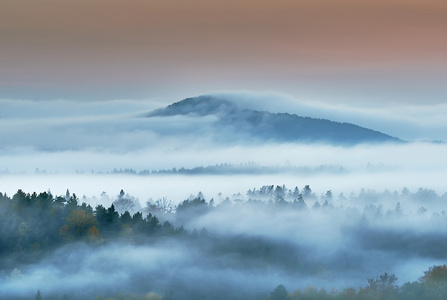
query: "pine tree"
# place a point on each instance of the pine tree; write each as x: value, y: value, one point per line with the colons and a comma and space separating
x: 38, y: 295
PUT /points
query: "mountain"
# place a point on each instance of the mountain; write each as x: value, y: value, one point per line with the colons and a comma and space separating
x: 241, y: 123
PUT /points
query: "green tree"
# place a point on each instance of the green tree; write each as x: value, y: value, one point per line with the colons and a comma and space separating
x: 101, y: 215
x: 280, y: 293
x: 38, y: 295
x: 435, y: 282
x: 190, y: 209
x: 112, y: 215
x: 412, y: 291
x: 382, y: 287
x: 43, y: 201
x: 126, y: 218
x: 152, y: 223
x: 435, y: 274
x: 307, y: 191
x: 21, y: 201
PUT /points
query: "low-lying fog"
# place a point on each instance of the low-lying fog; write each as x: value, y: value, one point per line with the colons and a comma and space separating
x: 340, y: 169
x: 65, y: 144
x: 250, y: 247
x: 103, y: 147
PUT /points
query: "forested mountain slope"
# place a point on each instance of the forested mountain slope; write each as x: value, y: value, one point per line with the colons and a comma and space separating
x: 251, y: 124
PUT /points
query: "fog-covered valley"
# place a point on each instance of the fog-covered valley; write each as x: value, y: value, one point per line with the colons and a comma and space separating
x: 236, y: 225
x: 241, y: 246
x: 58, y: 144
x: 252, y: 150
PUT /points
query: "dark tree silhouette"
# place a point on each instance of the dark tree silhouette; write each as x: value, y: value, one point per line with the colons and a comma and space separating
x: 280, y: 293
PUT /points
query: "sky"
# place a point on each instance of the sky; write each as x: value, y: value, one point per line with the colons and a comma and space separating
x: 352, y: 52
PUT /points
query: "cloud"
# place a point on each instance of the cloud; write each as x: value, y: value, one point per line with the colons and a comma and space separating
x: 329, y: 248
x: 375, y: 167
x: 120, y: 125
x: 75, y: 145
x: 406, y: 121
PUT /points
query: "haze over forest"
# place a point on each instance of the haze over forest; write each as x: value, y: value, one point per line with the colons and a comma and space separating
x: 307, y: 201
x: 65, y: 144
x: 262, y: 150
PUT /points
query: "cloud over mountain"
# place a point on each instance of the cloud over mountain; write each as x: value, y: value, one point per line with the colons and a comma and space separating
x: 244, y: 123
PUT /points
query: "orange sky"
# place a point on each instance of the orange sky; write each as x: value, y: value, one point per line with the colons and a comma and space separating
x: 146, y: 47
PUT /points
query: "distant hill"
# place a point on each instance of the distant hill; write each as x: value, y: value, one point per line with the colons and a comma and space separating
x: 266, y: 126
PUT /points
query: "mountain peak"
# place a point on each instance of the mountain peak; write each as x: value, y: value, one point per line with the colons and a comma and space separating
x: 244, y: 124
x: 201, y: 106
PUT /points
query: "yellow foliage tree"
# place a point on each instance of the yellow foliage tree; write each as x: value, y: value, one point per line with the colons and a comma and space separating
x: 153, y: 296
x: 94, y: 235
x: 80, y: 224
x: 435, y: 274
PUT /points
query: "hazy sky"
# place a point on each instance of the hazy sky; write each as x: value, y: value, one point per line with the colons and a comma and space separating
x: 342, y: 51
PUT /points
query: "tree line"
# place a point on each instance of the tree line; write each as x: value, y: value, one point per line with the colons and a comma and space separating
x: 33, y: 225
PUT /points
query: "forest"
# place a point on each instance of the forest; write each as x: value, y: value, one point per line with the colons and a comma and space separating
x: 271, y: 243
